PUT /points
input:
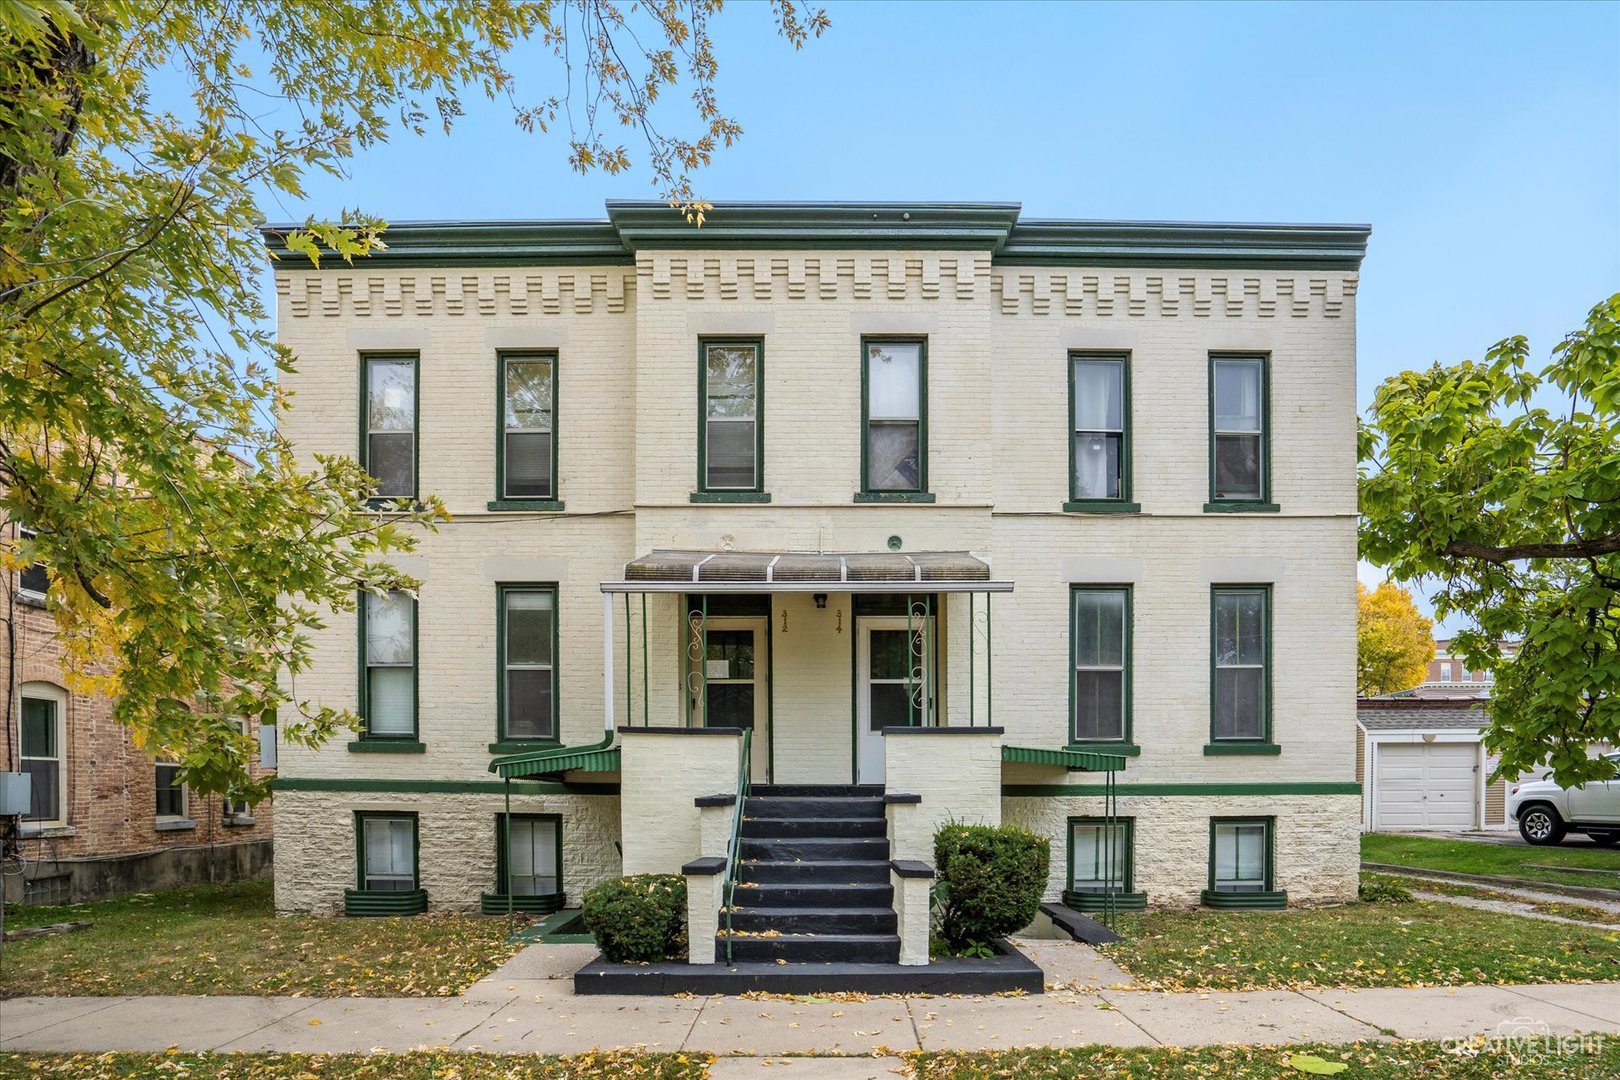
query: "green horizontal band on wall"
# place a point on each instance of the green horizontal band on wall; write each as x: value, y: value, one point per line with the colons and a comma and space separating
x: 1017, y: 791
x: 440, y: 787
x: 361, y: 903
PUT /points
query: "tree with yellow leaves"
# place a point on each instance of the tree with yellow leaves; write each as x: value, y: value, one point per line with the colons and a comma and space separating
x: 1394, y: 641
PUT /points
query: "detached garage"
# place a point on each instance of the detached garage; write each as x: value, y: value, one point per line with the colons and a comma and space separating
x: 1421, y: 765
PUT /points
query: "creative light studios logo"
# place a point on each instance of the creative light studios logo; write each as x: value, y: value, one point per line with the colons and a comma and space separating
x: 1527, y: 1035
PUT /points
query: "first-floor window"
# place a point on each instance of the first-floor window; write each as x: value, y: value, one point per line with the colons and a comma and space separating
x: 1101, y: 855
x: 388, y: 852
x: 1242, y: 856
x: 1241, y: 644
x: 171, y: 793
x: 42, y: 757
x: 1101, y: 655
x: 532, y: 855
x: 529, y: 639
x: 33, y: 580
x: 389, y: 623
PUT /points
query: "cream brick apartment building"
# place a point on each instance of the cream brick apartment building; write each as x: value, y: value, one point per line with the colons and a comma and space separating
x: 834, y: 474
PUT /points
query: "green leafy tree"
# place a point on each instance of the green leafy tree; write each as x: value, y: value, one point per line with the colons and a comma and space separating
x: 190, y: 554
x: 1469, y: 479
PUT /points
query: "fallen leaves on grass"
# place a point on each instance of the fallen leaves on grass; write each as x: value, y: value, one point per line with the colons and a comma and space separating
x: 421, y: 1065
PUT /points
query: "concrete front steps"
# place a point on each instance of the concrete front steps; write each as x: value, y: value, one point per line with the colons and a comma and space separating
x: 813, y: 912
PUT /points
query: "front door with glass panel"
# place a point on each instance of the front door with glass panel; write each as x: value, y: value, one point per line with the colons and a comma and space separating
x: 732, y: 689
x: 893, y: 685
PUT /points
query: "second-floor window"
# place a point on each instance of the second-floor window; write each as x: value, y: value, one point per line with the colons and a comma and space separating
x: 528, y: 662
x: 33, y: 580
x: 895, y: 374
x: 389, y: 683
x: 528, y: 427
x: 731, y: 447
x: 1241, y: 659
x: 1099, y: 463
x: 1238, y: 453
x: 389, y: 439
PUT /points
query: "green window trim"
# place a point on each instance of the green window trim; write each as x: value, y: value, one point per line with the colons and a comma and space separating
x: 1107, y: 746
x: 1127, y: 876
x: 402, y: 740
x: 704, y: 488
x: 502, y: 851
x: 1263, y: 504
x: 1248, y: 744
x: 502, y: 500
x: 920, y: 493
x: 1077, y: 502
x: 415, y: 359
x: 518, y: 743
x: 360, y: 819
x: 1270, y: 853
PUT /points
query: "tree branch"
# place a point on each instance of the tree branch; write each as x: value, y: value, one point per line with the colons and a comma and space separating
x: 1575, y: 549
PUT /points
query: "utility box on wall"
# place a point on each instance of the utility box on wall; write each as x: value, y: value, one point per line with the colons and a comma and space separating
x: 13, y: 793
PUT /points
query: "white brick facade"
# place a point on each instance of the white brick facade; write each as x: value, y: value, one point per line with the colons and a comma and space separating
x: 998, y: 336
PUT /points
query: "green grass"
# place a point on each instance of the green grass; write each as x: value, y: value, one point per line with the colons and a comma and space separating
x: 1479, y: 1060
x: 422, y: 1065
x: 1417, y: 944
x: 1566, y: 909
x: 226, y: 939
x: 1497, y: 860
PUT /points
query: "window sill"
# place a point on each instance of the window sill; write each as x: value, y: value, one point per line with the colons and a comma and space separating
x: 1241, y: 749
x: 239, y: 821
x: 47, y: 832
x: 1101, y: 506
x: 1122, y: 749
x: 525, y: 504
x: 174, y: 825
x: 894, y: 496
x: 1275, y: 900
x: 1238, y: 507
x: 1093, y: 901
x: 522, y: 746
x: 391, y: 504
x: 30, y: 599
x: 361, y: 903
x: 730, y: 496
x: 387, y: 746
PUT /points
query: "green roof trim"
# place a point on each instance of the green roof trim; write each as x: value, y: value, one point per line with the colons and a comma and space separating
x: 556, y: 761
x: 1081, y: 760
x: 993, y: 227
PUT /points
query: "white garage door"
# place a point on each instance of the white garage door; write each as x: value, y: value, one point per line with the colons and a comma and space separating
x: 1425, y: 786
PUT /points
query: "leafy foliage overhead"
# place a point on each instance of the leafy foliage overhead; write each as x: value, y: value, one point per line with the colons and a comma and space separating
x: 1470, y: 479
x: 1394, y: 641
x: 190, y: 554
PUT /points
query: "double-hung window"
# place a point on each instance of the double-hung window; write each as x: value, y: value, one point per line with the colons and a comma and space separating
x: 528, y: 687
x: 1239, y: 411
x: 1241, y: 661
x: 1240, y: 857
x: 171, y: 793
x: 1102, y: 652
x: 33, y: 580
x: 388, y: 439
x: 531, y: 856
x: 42, y: 757
x: 1099, y: 414
x: 528, y: 451
x: 894, y: 415
x: 1100, y: 855
x: 731, y: 445
x: 388, y: 683
x: 387, y: 852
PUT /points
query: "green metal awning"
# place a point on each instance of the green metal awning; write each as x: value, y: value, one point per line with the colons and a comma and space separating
x: 555, y: 762
x: 1081, y: 760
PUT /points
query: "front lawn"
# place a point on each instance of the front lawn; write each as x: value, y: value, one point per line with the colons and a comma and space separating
x: 1478, y: 1060
x: 1416, y: 944
x: 226, y: 939
x: 1497, y: 860
x: 423, y: 1065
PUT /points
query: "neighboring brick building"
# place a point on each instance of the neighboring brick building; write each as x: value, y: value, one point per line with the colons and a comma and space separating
x: 105, y: 818
x: 769, y: 476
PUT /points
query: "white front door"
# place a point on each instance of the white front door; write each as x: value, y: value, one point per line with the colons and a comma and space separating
x: 737, y: 688
x: 892, y: 681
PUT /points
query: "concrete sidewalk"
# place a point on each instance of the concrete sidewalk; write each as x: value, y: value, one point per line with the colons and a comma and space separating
x: 528, y: 1007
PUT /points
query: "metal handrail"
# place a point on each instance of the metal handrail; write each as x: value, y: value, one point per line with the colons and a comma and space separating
x: 734, y: 849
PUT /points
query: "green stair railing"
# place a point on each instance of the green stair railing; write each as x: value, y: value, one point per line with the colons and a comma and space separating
x: 734, y: 849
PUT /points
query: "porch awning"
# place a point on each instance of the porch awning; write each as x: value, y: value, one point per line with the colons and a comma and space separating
x: 799, y: 571
x: 555, y: 762
x: 1077, y: 760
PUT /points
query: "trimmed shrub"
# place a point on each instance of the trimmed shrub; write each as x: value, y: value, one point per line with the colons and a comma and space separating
x: 990, y: 882
x: 638, y: 919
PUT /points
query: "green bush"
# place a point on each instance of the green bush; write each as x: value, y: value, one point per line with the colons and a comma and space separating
x: 638, y: 919
x: 1383, y: 891
x: 989, y: 883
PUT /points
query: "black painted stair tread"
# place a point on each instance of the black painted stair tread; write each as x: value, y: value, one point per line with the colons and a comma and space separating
x: 815, y: 848
x: 816, y: 791
x: 811, y: 807
x: 815, y: 828
x: 816, y: 894
x: 815, y: 872
x: 813, y: 948
x: 812, y: 920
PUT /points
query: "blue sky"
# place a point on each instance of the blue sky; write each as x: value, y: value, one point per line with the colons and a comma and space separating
x: 1482, y: 142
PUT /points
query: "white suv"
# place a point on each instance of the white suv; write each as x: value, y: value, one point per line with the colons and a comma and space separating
x: 1546, y: 812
